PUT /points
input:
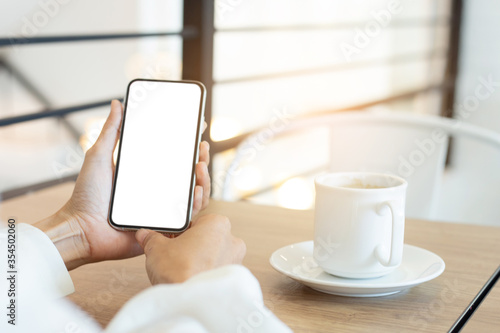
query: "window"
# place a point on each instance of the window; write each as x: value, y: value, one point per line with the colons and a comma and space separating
x: 296, y: 58
x: 260, y: 60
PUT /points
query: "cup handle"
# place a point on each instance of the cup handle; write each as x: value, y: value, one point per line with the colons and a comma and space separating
x: 396, y: 237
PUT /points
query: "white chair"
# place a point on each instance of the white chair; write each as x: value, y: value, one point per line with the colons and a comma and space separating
x: 412, y: 146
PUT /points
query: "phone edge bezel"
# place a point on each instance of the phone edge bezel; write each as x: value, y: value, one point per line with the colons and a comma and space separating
x: 201, y: 114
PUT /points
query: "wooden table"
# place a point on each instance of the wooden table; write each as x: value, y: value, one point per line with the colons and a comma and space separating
x: 471, y: 254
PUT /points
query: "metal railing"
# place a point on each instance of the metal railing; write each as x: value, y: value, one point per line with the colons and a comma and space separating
x: 188, y: 33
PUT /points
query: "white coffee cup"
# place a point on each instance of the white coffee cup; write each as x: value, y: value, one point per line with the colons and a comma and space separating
x: 359, y: 223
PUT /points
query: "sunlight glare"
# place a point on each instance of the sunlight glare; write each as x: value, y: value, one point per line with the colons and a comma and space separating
x: 296, y: 193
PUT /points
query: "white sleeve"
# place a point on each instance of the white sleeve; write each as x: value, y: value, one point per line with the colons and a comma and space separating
x: 41, y: 272
x: 37, y: 273
x: 228, y: 299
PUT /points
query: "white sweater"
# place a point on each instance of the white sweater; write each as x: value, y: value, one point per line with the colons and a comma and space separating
x: 228, y: 299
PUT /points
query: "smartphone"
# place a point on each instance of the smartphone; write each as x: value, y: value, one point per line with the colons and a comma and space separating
x: 160, y: 136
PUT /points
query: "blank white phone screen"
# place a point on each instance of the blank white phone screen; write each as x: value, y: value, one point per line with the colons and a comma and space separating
x: 152, y: 187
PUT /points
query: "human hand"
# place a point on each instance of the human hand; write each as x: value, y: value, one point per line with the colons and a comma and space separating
x: 80, y: 230
x: 206, y: 245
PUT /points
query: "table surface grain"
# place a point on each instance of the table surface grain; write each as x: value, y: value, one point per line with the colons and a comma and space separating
x: 471, y: 254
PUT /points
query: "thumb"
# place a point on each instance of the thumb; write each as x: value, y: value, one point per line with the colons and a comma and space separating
x: 147, y: 239
x: 109, y: 134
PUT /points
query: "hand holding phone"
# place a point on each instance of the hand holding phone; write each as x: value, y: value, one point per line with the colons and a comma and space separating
x: 79, y: 229
x: 208, y: 244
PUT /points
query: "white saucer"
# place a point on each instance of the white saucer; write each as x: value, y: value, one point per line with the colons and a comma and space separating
x: 418, y: 266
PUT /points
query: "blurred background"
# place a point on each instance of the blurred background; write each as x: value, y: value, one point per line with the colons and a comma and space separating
x: 263, y: 63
